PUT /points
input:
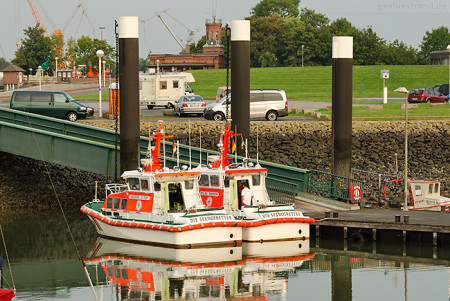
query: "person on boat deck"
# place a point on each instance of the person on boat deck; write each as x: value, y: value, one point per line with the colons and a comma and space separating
x: 246, y: 195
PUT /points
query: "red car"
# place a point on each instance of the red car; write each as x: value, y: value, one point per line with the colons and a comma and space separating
x: 426, y: 95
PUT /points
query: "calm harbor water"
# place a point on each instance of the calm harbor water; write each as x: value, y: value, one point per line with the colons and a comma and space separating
x: 45, y: 266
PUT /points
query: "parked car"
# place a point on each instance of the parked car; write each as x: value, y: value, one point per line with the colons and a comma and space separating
x: 443, y: 89
x: 426, y: 95
x: 52, y: 104
x: 189, y: 104
x: 269, y: 104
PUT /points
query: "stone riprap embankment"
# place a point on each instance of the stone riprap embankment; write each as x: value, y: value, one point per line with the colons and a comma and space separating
x: 299, y: 144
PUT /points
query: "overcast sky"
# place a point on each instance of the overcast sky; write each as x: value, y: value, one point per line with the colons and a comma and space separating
x: 406, y: 20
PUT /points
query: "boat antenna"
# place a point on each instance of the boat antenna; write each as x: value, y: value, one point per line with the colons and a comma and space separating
x: 246, y: 149
x: 164, y: 144
x: 189, y: 139
x: 200, y: 147
x: 257, y: 145
x: 178, y: 153
x: 235, y: 142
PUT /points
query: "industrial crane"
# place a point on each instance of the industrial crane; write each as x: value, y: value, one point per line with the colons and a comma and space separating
x: 37, y: 16
x: 190, y: 40
x: 84, y: 12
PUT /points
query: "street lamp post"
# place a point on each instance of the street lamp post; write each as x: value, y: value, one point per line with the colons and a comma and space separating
x: 404, y: 90
x: 100, y: 54
x: 39, y: 69
x: 303, y: 46
x: 29, y: 75
x: 56, y: 69
x: 104, y: 74
x: 448, y: 49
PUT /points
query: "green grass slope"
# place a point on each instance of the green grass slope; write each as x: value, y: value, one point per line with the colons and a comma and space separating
x: 314, y: 83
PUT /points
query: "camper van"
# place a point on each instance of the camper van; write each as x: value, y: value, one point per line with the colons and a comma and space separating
x: 163, y: 89
x: 53, y: 104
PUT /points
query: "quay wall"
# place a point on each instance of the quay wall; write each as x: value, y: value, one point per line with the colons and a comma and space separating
x: 24, y: 182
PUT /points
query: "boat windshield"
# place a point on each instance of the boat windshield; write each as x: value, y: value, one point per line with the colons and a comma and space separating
x: 133, y: 183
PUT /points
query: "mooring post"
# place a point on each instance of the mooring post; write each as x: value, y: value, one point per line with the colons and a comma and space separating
x: 345, y: 232
x: 404, y: 236
x: 435, y: 238
x: 240, y: 78
x: 374, y: 234
x: 129, y: 92
x: 341, y: 116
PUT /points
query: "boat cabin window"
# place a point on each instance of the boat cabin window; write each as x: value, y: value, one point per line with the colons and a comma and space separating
x: 124, y: 204
x: 226, y: 181
x: 144, y: 184
x: 124, y: 273
x: 256, y: 180
x: 436, y: 188
x: 109, y: 203
x: 117, y: 273
x: 116, y: 203
x: 157, y: 186
x: 214, y: 180
x: 418, y: 190
x: 133, y: 183
x: 204, y: 180
x: 189, y: 184
x: 430, y: 188
x: 110, y: 271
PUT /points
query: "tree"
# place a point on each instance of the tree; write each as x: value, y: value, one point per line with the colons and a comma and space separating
x: 34, y: 50
x: 4, y: 63
x: 282, y: 8
x: 86, y: 48
x: 436, y: 40
x: 367, y: 47
x: 398, y: 53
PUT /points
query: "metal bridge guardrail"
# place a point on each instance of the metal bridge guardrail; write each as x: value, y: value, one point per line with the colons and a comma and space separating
x: 336, y: 187
x: 280, y: 191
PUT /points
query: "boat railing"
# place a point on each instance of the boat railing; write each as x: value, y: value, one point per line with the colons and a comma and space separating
x: 115, y: 188
x: 281, y: 191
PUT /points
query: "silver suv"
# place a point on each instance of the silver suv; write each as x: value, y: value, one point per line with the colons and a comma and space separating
x: 269, y: 104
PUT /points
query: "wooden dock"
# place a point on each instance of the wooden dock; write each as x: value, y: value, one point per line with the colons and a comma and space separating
x: 384, y: 225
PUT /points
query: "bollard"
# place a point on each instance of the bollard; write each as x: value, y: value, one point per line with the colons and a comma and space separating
x: 406, y: 219
x: 327, y: 214
x: 443, y: 208
x: 397, y: 218
x: 335, y: 215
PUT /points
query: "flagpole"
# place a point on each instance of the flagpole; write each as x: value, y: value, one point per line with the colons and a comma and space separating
x: 164, y: 150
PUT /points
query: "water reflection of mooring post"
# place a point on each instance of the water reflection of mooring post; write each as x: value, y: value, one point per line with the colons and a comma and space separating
x: 129, y: 92
x: 240, y: 77
x: 341, y: 132
x: 341, y: 278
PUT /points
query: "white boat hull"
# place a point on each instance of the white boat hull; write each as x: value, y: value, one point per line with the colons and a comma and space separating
x: 276, y: 232
x: 204, y: 237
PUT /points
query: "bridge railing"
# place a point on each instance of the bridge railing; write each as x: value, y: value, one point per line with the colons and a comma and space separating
x: 280, y: 191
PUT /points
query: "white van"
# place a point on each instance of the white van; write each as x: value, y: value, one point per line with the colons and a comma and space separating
x: 269, y: 104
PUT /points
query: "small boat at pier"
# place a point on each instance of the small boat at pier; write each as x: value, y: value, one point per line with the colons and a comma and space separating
x: 161, y: 207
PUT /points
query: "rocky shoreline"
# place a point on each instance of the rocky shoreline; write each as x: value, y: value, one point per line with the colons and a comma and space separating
x: 25, y: 182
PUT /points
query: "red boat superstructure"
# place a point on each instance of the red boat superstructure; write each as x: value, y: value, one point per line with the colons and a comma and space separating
x: 220, y: 185
x: 161, y: 206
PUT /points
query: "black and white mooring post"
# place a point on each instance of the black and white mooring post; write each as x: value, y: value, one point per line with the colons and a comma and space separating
x: 129, y: 92
x: 240, y: 77
x: 341, y: 132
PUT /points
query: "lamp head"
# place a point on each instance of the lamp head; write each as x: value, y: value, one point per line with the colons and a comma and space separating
x: 100, y: 53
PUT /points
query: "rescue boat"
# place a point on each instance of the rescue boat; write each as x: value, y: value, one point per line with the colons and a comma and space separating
x: 162, y: 207
x: 264, y: 220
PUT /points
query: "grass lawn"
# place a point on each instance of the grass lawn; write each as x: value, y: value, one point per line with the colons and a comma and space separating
x: 392, y: 111
x: 315, y: 83
x: 94, y: 96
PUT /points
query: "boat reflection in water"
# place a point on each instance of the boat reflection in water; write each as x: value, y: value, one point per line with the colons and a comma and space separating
x: 155, y: 273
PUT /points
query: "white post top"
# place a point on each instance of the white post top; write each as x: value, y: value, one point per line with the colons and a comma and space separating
x: 128, y: 27
x: 342, y: 48
x: 240, y: 30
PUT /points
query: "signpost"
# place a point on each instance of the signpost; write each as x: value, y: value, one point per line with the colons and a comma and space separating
x: 384, y: 75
